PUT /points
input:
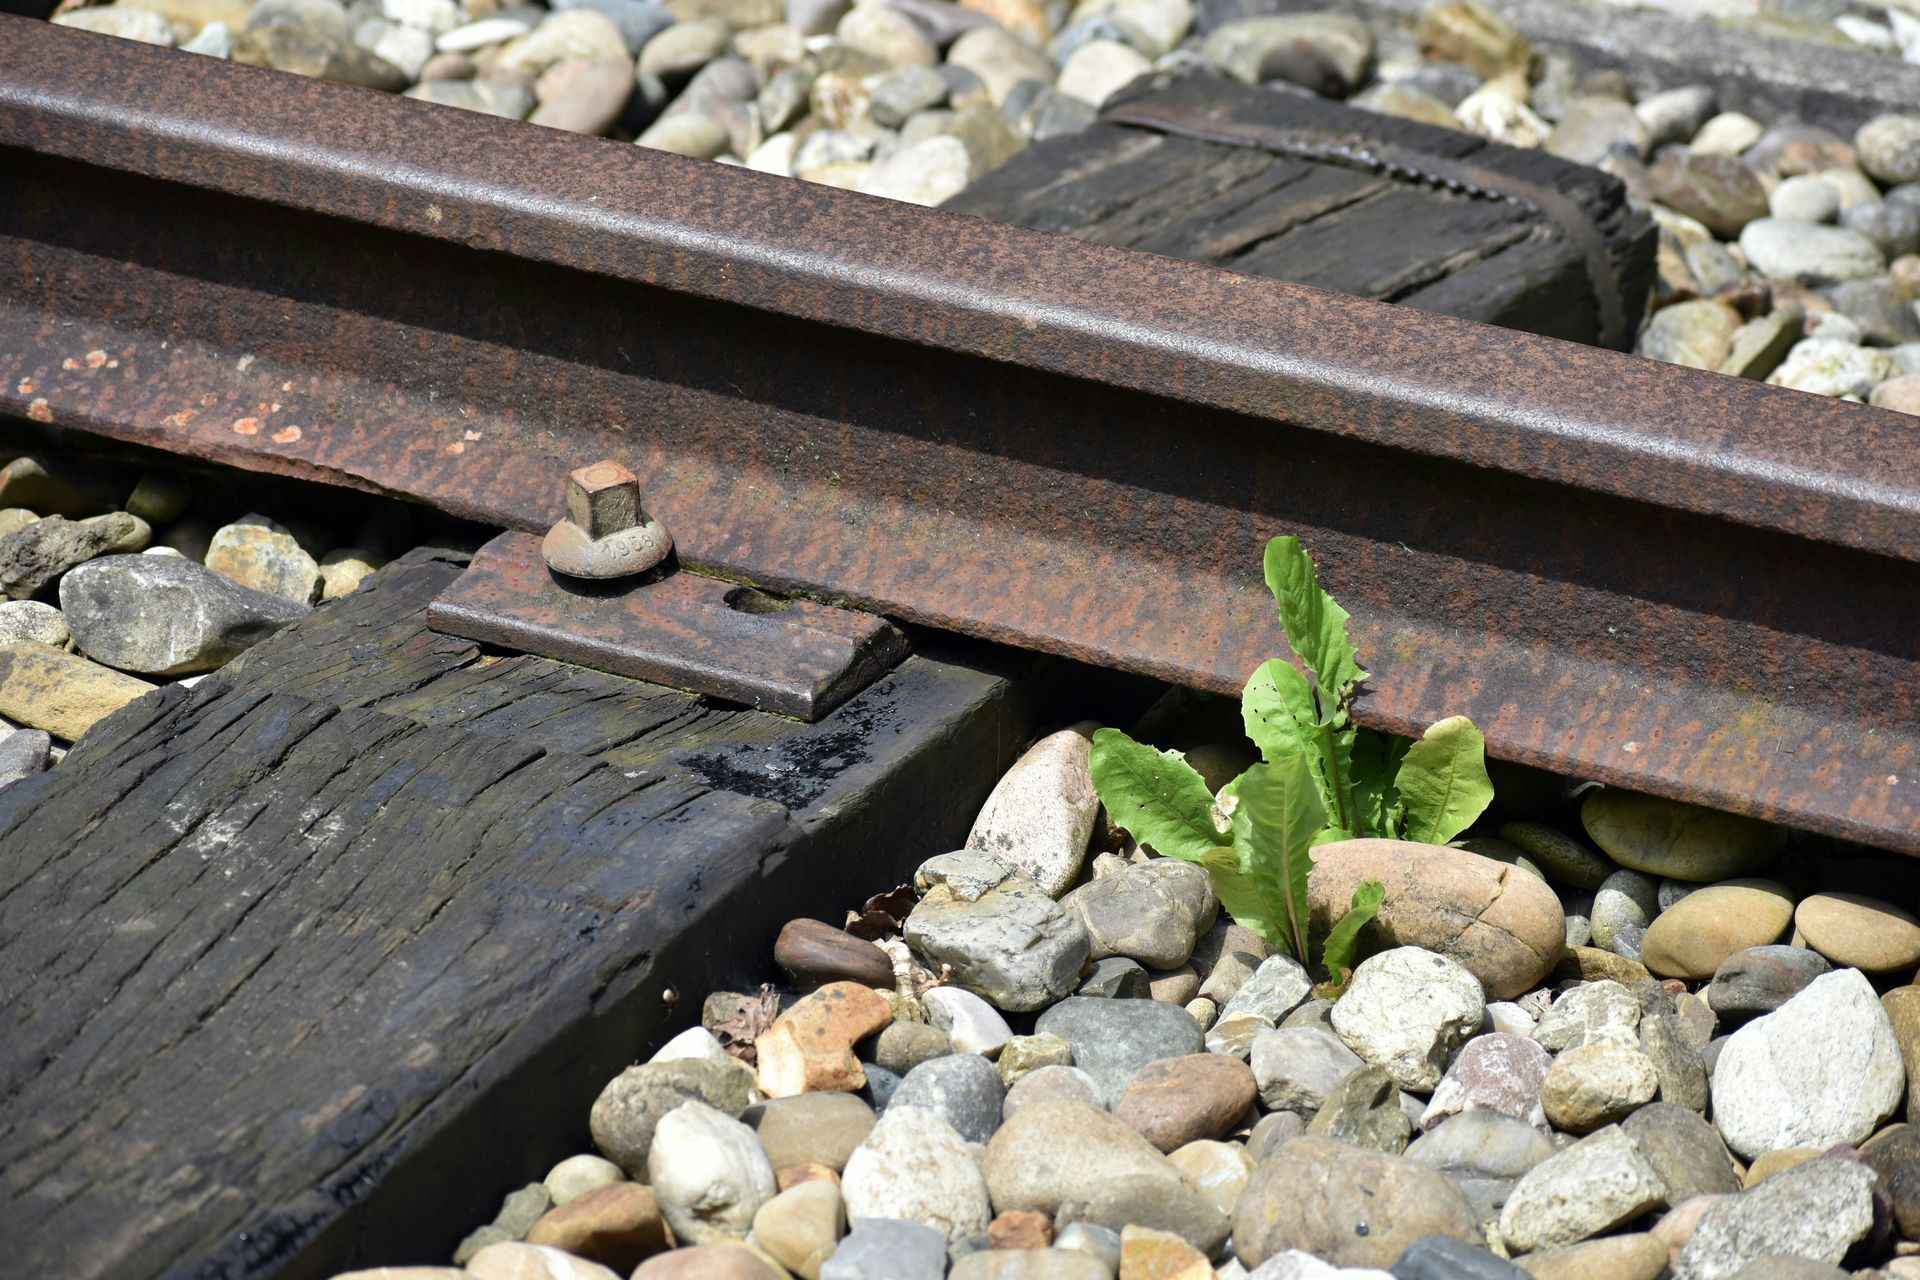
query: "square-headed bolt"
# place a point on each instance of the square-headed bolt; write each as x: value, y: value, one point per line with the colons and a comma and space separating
x: 603, y: 499
x: 607, y: 533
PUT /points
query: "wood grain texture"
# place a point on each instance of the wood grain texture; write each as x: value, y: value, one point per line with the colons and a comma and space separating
x: 307, y: 965
x: 1324, y: 224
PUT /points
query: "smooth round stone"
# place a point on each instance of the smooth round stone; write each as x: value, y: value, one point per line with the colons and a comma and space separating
x: 963, y: 1089
x: 814, y: 953
x: 1051, y: 1084
x: 801, y: 1227
x: 1894, y: 227
x: 1889, y: 148
x: 1832, y: 367
x: 1112, y: 1039
x: 1597, y: 1084
x: 888, y: 35
x: 683, y: 48
x: 1563, y: 859
x: 126, y: 21
x: 816, y: 1128
x: 515, y: 1260
x: 261, y: 554
x: 709, y: 1172
x: 617, y: 1226
x: 1503, y: 927
x: 1697, y: 334
x: 1326, y: 52
x: 905, y: 1045
x: 686, y: 134
x: 1591, y: 128
x: 1353, y: 1208
x: 927, y: 173
x: 1078, y: 1163
x: 577, y: 1175
x: 1625, y: 899
x: 1679, y: 841
x: 1858, y: 932
x: 1728, y: 133
x: 1698, y: 935
x: 1902, y: 394
x: 1100, y: 68
x: 1805, y: 198
x: 588, y: 99
x: 1482, y: 1144
x: 1809, y: 255
x: 706, y: 1262
x: 1176, y: 1101
x: 573, y: 33
x: 1217, y: 1170
x: 1640, y: 1256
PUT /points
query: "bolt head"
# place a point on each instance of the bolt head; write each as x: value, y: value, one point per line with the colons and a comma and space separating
x: 603, y: 499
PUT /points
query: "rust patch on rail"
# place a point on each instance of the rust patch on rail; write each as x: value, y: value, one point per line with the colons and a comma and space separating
x: 1683, y: 583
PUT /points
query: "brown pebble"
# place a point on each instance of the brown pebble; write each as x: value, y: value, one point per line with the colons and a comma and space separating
x: 706, y: 1262
x: 617, y: 1225
x: 1179, y: 1100
x: 814, y: 953
x: 1020, y: 1229
x: 812, y: 1171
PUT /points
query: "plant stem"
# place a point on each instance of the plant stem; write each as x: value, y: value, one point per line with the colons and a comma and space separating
x: 1342, y: 802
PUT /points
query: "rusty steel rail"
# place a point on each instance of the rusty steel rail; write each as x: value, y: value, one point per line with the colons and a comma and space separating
x: 1693, y: 585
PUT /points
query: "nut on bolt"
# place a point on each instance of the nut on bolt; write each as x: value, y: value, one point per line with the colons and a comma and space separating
x: 607, y: 534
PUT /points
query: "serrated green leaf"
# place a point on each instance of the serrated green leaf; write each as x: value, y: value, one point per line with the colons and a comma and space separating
x: 1316, y: 626
x: 1278, y: 710
x: 1274, y: 822
x: 1376, y: 759
x: 1336, y: 953
x: 1156, y: 795
x: 1443, y: 781
x: 1244, y: 898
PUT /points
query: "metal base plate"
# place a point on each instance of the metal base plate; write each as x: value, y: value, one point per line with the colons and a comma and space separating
x: 794, y: 657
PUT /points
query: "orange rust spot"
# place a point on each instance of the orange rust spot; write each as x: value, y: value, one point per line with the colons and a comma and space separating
x: 69, y: 363
x: 26, y: 386
x: 470, y: 435
x: 180, y: 419
x: 39, y: 411
x: 286, y: 435
x: 457, y: 446
x: 247, y: 426
x: 95, y: 359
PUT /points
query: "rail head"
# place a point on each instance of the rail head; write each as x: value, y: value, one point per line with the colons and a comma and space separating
x: 1178, y: 331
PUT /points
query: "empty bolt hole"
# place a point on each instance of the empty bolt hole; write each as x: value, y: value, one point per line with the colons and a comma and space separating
x: 754, y: 600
